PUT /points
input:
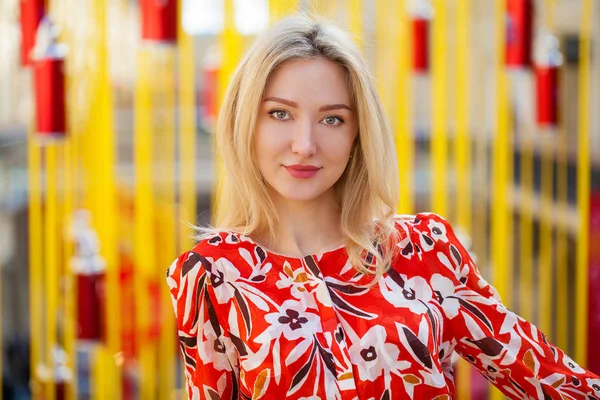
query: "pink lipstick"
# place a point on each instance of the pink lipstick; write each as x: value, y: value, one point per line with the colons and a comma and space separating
x: 302, y: 171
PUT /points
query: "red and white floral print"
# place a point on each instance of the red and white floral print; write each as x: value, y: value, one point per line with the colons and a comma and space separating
x: 256, y: 324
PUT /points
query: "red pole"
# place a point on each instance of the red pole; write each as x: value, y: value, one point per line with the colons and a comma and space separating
x: 546, y: 79
x: 519, y: 27
x: 32, y: 12
x: 159, y: 20
x: 49, y: 80
x: 420, y: 44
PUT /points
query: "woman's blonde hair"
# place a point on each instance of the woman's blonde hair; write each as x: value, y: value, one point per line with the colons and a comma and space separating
x: 367, y: 191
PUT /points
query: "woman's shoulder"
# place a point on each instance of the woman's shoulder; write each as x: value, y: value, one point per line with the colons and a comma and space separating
x: 219, y: 243
x: 217, y: 246
x: 422, y: 233
x: 419, y: 218
x: 228, y: 247
x: 427, y: 222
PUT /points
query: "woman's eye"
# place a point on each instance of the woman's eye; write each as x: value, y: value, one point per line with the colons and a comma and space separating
x: 333, y: 120
x: 280, y: 115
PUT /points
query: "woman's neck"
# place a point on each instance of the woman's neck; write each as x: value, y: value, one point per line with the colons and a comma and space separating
x: 305, y: 227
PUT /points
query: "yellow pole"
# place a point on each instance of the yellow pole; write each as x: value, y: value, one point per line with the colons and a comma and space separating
x: 106, y: 212
x: 326, y: 8
x: 526, y: 266
x: 167, y: 345
x: 50, y: 240
x: 60, y: 317
x: 70, y: 303
x: 439, y: 144
x: 583, y: 186
x: 98, y: 376
x: 36, y: 289
x: 561, y: 321
x: 562, y: 262
x: 384, y: 60
x: 80, y: 158
x: 508, y: 252
x: 280, y: 8
x: 71, y: 201
x: 500, y: 231
x: 463, y: 116
x: 500, y: 213
x: 404, y: 134
x: 187, y: 152
x: 546, y: 210
x: 355, y: 19
x: 481, y: 162
x: 545, y: 238
x: 144, y: 244
x: 463, y: 150
x: 187, y: 137
x: 230, y: 42
x: 164, y: 151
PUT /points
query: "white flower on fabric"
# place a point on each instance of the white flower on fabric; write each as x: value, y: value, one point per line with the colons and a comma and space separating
x: 446, y: 355
x: 433, y: 378
x: 374, y: 356
x: 304, y: 286
x: 288, y: 276
x: 461, y: 271
x: 413, y: 295
x: 292, y: 320
x: 216, y: 350
x: 196, y: 392
x: 425, y: 241
x: 572, y: 365
x: 490, y: 369
x: 463, y: 274
x: 296, y: 282
x: 443, y: 288
x: 321, y: 293
x: 594, y: 384
x: 407, y: 249
x: 223, y: 278
x: 437, y: 231
x: 222, y: 384
x: 259, y: 267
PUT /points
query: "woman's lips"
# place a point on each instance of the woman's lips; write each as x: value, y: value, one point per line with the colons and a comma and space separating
x: 302, y: 174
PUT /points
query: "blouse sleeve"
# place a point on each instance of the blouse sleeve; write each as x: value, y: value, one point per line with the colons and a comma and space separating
x: 509, y: 351
x: 210, y: 360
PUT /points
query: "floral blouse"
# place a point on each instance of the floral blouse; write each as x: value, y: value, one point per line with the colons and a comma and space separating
x: 256, y: 324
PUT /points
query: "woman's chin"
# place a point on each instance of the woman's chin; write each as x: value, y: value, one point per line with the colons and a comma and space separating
x: 300, y: 194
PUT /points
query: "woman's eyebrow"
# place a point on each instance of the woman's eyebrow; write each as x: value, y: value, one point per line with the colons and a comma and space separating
x: 282, y: 101
x: 334, y: 107
x: 295, y: 105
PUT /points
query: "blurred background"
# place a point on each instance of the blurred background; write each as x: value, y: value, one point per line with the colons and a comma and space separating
x: 106, y: 114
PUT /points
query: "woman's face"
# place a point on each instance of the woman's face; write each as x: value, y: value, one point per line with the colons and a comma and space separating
x: 306, y: 119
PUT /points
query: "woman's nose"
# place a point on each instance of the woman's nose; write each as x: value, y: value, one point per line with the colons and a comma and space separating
x: 303, y: 141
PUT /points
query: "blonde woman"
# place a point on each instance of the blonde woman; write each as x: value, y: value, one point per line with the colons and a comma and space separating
x: 309, y: 285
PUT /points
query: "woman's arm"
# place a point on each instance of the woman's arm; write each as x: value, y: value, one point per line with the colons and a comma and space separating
x: 210, y: 359
x: 509, y: 351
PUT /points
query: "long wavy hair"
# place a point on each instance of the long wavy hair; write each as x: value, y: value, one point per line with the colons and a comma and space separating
x: 367, y: 191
